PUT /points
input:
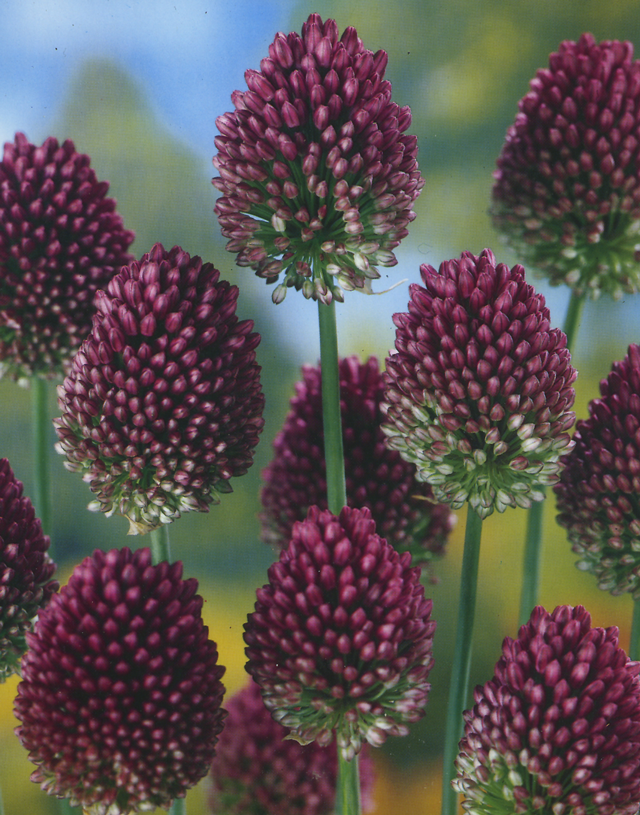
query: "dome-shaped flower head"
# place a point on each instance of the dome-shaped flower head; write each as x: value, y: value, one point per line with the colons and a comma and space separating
x: 163, y: 404
x: 61, y: 240
x: 25, y: 569
x: 479, y: 391
x: 120, y: 699
x: 259, y: 771
x: 598, y: 494
x: 317, y: 175
x: 567, y: 189
x: 376, y: 477
x: 557, y: 729
x: 341, y: 637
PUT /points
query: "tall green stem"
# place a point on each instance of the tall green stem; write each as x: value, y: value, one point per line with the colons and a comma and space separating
x: 533, y: 539
x: 40, y: 429
x: 348, y: 782
x: 161, y: 550
x: 331, y: 417
x: 41, y: 453
x: 572, y: 320
x: 461, y: 657
x: 178, y: 807
x: 634, y: 646
x: 532, y: 561
x: 160, y: 544
x: 347, y: 786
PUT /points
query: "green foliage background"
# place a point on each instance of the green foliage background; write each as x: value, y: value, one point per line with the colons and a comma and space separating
x: 462, y: 66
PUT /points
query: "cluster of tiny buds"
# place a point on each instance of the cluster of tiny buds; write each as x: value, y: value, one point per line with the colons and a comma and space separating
x: 316, y: 173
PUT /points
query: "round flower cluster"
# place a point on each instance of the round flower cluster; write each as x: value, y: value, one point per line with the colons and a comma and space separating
x: 316, y: 173
x: 60, y: 241
x: 599, y: 488
x: 163, y: 404
x: 341, y: 637
x: 479, y: 391
x: 120, y: 699
x: 257, y: 770
x: 376, y: 477
x: 25, y: 569
x: 567, y: 189
x: 557, y: 729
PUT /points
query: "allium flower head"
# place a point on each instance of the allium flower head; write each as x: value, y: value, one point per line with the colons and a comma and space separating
x: 478, y: 395
x: 60, y: 241
x: 376, y: 477
x: 557, y: 729
x: 120, y: 699
x: 341, y: 637
x: 259, y: 771
x: 316, y: 173
x: 163, y: 404
x: 25, y: 569
x: 598, y: 494
x: 567, y: 189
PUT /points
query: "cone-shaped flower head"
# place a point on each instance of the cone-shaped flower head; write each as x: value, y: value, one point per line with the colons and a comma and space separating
x: 557, y: 729
x: 478, y: 395
x: 120, y: 699
x: 341, y: 637
x: 163, y: 404
x: 259, y: 771
x: 60, y: 241
x: 567, y: 189
x: 376, y: 477
x: 25, y: 569
x: 317, y: 175
x: 598, y: 494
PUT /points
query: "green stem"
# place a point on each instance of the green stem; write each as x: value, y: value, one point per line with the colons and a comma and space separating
x: 533, y: 542
x: 634, y: 645
x: 178, y: 807
x: 160, y: 551
x: 532, y: 561
x: 572, y: 319
x: 160, y: 544
x: 348, y: 782
x: 461, y: 657
x: 41, y: 424
x: 331, y: 417
x: 347, y: 786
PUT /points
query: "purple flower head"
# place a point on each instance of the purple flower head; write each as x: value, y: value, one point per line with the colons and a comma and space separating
x: 479, y: 391
x: 341, y: 637
x: 567, y: 189
x: 376, y: 477
x: 60, y: 241
x: 25, y: 570
x: 259, y: 771
x: 598, y: 494
x: 317, y: 176
x: 557, y: 729
x: 120, y: 699
x: 163, y: 404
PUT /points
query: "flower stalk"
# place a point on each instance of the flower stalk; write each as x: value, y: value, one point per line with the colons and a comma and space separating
x: 41, y: 453
x: 331, y: 418
x: 160, y: 545
x: 532, y: 561
x: 462, y: 657
x: 348, y: 786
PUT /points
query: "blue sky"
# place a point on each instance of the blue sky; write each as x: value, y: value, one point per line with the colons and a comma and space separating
x: 187, y: 55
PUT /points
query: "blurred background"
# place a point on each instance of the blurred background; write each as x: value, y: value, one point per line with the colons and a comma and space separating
x: 138, y: 84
